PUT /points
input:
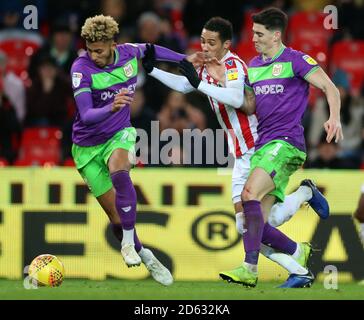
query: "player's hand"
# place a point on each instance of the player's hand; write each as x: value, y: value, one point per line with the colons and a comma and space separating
x: 188, y: 70
x: 333, y: 129
x: 216, y: 70
x: 239, y: 223
x: 121, y: 100
x: 148, y: 60
x: 198, y: 59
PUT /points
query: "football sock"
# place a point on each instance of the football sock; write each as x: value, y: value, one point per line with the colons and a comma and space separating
x: 284, y: 260
x: 125, y: 199
x: 297, y: 252
x: 251, y: 267
x: 254, y: 224
x: 128, y: 237
x: 118, y: 233
x: 278, y: 240
x: 282, y: 212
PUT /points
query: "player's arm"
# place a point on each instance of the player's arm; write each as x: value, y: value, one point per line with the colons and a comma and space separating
x: 249, y: 105
x: 165, y: 54
x: 332, y: 126
x: 171, y: 80
x: 81, y: 85
x: 90, y: 115
x: 232, y: 94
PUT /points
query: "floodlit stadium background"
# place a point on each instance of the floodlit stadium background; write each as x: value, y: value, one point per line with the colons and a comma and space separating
x: 185, y: 212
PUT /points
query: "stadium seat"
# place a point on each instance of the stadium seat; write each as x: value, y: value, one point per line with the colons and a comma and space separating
x: 40, y: 146
x: 247, y: 27
x: 68, y: 162
x: 308, y: 27
x: 3, y: 162
x: 246, y: 51
x: 19, y: 47
x: 347, y: 55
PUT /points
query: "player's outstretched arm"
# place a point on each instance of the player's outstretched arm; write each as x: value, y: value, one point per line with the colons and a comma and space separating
x: 231, y: 95
x: 332, y: 126
x: 173, y: 81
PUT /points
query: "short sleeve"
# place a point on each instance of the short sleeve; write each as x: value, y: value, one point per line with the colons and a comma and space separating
x: 303, y: 64
x: 135, y: 49
x: 81, y: 80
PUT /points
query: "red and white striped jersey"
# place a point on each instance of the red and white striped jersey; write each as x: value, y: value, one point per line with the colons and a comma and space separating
x: 240, y: 129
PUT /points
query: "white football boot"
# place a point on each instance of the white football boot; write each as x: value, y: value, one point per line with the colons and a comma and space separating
x: 130, y: 256
x: 158, y: 271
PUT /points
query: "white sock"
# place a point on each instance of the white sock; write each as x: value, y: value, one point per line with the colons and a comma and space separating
x: 251, y: 267
x: 282, y: 212
x: 297, y: 253
x: 128, y: 237
x: 284, y: 260
x: 145, y: 255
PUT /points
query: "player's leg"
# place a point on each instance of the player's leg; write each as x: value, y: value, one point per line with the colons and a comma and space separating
x: 283, y: 211
x: 239, y: 177
x: 125, y: 202
x: 246, y: 274
x: 107, y: 202
x: 307, y: 192
x: 159, y: 272
x: 284, y: 260
x: 271, y: 167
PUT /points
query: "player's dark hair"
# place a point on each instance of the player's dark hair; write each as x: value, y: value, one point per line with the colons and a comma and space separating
x: 222, y: 26
x: 272, y: 19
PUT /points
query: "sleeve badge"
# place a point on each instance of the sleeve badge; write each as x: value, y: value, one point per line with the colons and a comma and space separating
x: 309, y: 59
x: 76, y: 79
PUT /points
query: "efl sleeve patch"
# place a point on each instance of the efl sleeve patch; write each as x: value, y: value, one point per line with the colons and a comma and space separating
x: 232, y: 74
x: 309, y: 59
x: 76, y: 79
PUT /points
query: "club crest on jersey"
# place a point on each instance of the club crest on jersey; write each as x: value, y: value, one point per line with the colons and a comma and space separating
x: 309, y: 59
x: 230, y: 64
x: 76, y: 79
x: 277, y: 69
x: 128, y: 70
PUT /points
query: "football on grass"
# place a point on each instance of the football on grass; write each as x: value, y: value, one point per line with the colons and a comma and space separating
x: 46, y: 270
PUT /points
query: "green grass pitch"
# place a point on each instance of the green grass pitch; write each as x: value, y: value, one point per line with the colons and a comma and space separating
x: 189, y: 290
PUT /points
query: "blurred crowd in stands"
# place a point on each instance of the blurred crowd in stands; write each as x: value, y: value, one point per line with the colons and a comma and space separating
x: 36, y: 100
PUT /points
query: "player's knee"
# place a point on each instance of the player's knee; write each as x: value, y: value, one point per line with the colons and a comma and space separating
x: 248, y: 194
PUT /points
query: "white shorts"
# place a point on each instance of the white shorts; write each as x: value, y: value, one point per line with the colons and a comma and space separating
x: 240, y: 175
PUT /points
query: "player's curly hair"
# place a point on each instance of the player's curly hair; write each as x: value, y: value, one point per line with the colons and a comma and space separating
x: 99, y: 28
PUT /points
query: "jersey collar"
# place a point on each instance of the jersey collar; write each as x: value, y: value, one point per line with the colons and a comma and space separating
x: 225, y: 56
x: 116, y: 59
x: 275, y: 56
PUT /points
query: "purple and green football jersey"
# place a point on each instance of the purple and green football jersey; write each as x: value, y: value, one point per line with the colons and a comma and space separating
x: 104, y: 84
x: 281, y: 94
